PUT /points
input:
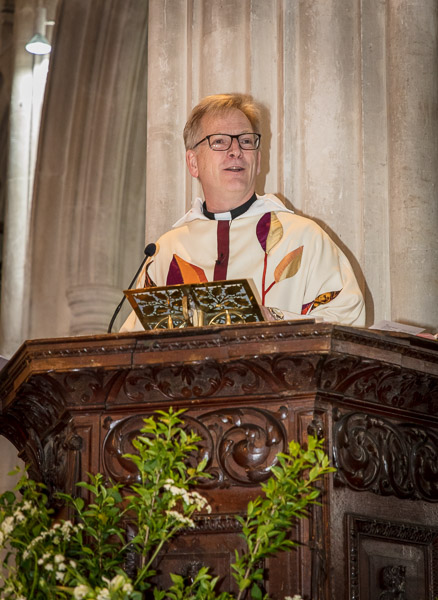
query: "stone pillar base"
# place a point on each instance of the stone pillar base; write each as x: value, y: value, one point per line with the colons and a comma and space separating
x: 92, y: 307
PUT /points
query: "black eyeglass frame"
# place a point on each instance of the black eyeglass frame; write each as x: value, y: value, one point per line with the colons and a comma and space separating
x: 232, y: 137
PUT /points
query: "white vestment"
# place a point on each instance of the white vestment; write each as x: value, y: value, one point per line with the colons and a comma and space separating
x: 294, y: 264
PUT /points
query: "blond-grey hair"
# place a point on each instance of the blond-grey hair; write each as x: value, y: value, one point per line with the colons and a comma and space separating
x: 219, y: 104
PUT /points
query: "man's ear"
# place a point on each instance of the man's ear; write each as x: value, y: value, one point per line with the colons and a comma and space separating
x: 192, y: 163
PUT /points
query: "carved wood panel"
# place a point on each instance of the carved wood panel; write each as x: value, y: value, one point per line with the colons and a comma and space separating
x: 239, y: 444
x: 390, y: 560
x: 375, y: 454
x: 377, y: 382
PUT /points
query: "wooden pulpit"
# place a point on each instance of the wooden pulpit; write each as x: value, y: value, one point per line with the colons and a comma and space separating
x: 72, y: 406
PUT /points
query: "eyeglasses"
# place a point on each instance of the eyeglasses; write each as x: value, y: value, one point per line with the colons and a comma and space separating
x: 223, y: 141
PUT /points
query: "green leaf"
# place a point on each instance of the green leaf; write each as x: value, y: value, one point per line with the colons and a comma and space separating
x: 244, y: 584
x: 176, y: 578
x: 256, y: 592
x: 314, y: 494
x: 201, y: 466
x: 9, y: 497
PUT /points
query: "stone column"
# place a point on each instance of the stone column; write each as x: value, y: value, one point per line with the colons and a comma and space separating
x: 168, y: 105
x: 22, y: 141
x: 328, y: 141
x: 413, y: 160
x: 25, y: 109
x: 221, y: 46
x: 88, y: 218
x: 268, y: 61
x: 375, y: 227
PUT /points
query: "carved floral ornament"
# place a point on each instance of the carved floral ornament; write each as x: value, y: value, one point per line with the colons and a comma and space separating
x: 373, y: 454
x: 239, y: 444
x: 371, y: 380
x: 260, y: 375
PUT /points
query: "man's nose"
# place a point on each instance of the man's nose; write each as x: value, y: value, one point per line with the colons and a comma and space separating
x: 234, y: 149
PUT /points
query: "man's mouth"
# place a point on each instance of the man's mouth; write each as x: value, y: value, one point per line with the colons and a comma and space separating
x: 234, y: 168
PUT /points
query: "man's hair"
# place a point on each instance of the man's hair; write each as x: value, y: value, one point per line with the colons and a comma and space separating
x: 219, y: 104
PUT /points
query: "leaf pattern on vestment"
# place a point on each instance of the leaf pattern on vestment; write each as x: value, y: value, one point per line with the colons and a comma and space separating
x: 289, y: 265
x: 324, y: 298
x: 181, y: 271
x: 269, y: 231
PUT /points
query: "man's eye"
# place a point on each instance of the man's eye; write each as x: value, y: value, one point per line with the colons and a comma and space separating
x: 219, y: 141
x: 246, y: 141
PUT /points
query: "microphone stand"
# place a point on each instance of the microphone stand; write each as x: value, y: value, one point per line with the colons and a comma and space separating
x: 148, y: 251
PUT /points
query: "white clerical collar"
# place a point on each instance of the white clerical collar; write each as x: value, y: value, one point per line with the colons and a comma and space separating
x: 263, y: 204
x: 231, y: 214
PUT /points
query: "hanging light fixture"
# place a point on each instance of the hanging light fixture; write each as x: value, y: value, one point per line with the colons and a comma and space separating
x: 39, y: 44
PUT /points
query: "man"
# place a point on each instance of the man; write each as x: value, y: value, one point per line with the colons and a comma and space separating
x: 236, y: 234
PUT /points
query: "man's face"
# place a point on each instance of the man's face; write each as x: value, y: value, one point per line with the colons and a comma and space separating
x: 227, y: 177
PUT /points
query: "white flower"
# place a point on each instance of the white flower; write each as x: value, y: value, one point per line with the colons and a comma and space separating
x: 59, y: 575
x: 19, y: 516
x: 48, y: 567
x: 67, y: 527
x: 8, y: 525
x: 80, y: 592
x: 180, y: 518
x: 199, y: 501
x: 173, y: 489
x: 59, y: 558
x: 103, y: 594
x: 198, y: 497
x: 127, y: 588
x: 116, y: 582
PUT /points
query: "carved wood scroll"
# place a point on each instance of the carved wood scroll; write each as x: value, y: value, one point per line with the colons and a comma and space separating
x: 373, y: 454
x: 239, y: 444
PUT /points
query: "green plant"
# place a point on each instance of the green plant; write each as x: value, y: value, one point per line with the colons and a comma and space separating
x: 85, y: 558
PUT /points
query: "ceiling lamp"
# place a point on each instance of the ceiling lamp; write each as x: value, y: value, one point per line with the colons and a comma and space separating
x: 38, y: 44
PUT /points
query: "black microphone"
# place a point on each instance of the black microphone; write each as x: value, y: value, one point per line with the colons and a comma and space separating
x: 148, y: 251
